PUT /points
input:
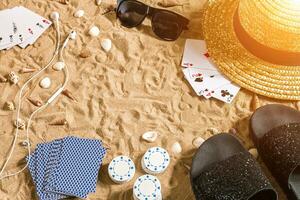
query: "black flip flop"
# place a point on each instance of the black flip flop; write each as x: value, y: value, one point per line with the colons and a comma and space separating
x: 222, y: 169
x: 275, y: 130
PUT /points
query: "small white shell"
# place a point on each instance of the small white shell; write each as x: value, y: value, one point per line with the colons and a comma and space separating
x: 20, y: 124
x: 59, y: 66
x: 98, y: 2
x: 13, y: 77
x: 106, y: 44
x: 150, y: 136
x: 25, y: 143
x: 198, y: 141
x: 45, y: 83
x: 214, y: 131
x: 94, y: 31
x: 79, y: 13
x: 253, y: 152
x: 176, y: 148
x: 9, y: 106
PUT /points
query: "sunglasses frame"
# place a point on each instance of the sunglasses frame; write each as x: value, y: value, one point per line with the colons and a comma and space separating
x: 151, y: 11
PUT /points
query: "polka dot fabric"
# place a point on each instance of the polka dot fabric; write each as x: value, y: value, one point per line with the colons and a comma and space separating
x: 66, y: 167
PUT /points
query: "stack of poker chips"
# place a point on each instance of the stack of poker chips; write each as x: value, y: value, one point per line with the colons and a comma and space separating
x: 66, y: 167
x: 147, y: 187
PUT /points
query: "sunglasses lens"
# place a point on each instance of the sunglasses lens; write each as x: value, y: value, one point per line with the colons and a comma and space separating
x: 166, y: 26
x: 131, y: 13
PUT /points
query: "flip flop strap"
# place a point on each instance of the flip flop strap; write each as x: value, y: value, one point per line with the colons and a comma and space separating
x: 236, y: 178
x: 280, y: 150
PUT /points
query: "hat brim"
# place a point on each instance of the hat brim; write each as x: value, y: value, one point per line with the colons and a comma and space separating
x: 238, y: 64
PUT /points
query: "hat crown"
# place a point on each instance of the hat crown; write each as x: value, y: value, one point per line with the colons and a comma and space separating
x: 269, y: 21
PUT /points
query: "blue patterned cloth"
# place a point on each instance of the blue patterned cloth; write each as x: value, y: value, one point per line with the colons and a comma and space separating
x: 66, y: 167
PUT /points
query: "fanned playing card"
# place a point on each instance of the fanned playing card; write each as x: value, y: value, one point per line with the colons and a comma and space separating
x: 77, y: 171
x: 204, y: 77
x: 20, y: 26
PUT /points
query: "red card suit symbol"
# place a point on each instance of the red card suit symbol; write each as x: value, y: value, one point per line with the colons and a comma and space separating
x: 46, y: 21
x: 188, y: 64
x: 207, y: 55
x: 197, y: 75
x: 30, y: 31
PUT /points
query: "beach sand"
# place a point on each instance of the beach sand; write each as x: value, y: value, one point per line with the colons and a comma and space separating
x: 136, y: 87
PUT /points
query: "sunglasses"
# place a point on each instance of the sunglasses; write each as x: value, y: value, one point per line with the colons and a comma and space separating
x: 167, y: 25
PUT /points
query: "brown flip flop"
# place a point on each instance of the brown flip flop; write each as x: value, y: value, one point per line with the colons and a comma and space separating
x: 275, y: 130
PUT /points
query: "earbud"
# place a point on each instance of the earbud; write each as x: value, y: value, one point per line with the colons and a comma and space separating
x: 73, y: 35
x: 54, y: 16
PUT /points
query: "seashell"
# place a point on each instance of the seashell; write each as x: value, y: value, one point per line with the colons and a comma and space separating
x: 106, y: 44
x: 27, y: 70
x: 37, y: 103
x: 170, y: 3
x: 176, y: 148
x: 94, y: 31
x: 13, y: 77
x: 254, y: 152
x: 58, y: 66
x: 79, y: 13
x: 198, y: 141
x: 45, y: 83
x: 64, y: 1
x: 109, y: 9
x: 9, y: 105
x: 3, y: 79
x: 25, y: 143
x: 150, y: 136
x: 98, y: 2
x: 233, y: 131
x: 85, y: 53
x: 68, y: 94
x: 20, y: 124
x: 214, y: 131
x: 60, y: 122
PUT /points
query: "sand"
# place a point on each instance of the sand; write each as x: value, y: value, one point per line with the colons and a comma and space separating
x: 138, y: 86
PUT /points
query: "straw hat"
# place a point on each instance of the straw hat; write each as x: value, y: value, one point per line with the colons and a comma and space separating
x: 256, y: 43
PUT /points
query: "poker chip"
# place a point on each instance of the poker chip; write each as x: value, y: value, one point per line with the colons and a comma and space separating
x: 121, y: 169
x: 147, y: 187
x: 155, y: 160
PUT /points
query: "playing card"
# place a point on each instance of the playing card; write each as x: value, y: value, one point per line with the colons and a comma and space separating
x: 226, y: 93
x: 77, y: 171
x: 7, y: 29
x: 34, y: 24
x: 195, y: 55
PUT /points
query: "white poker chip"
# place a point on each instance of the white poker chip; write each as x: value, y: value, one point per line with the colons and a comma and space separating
x: 155, y: 161
x: 147, y: 187
x: 121, y: 169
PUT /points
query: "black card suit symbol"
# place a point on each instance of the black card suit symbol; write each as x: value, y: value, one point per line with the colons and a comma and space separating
x: 212, y: 76
x: 0, y: 38
x: 15, y: 28
x: 206, y: 90
x: 212, y: 92
x: 199, y: 79
x: 225, y: 93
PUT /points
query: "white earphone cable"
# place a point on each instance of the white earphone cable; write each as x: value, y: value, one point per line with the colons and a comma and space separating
x: 19, y: 108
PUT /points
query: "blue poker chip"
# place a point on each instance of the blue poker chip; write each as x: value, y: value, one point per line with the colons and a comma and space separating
x: 121, y: 169
x: 147, y: 187
x: 156, y: 160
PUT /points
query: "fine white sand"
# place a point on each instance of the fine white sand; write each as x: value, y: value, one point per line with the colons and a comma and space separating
x: 138, y: 86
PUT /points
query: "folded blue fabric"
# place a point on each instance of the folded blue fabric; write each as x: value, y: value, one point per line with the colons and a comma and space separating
x: 66, y: 167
